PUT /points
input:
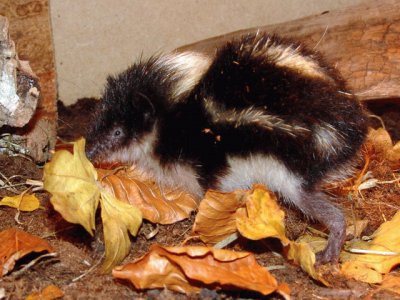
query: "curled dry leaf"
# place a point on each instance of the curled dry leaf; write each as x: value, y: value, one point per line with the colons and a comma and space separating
x: 188, y: 269
x: 384, y: 254
x: 356, y: 227
x: 71, y: 179
x: 118, y: 218
x: 76, y: 193
x: 382, y: 144
x: 48, y: 293
x: 216, y: 218
x: 379, y: 146
x: 263, y: 217
x: 158, y: 206
x: 303, y: 252
x: 392, y: 283
x: 256, y: 215
x: 359, y: 271
x: 315, y: 242
x: 15, y: 243
x: 22, y: 202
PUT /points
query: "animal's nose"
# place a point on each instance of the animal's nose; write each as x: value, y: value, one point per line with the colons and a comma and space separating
x: 90, y: 151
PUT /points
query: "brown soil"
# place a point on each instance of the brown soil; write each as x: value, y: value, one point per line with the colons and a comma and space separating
x: 78, y: 251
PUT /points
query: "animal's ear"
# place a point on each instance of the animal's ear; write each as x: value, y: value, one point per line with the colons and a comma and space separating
x: 149, y: 108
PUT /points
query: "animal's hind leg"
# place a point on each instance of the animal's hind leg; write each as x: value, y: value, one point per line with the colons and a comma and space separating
x: 317, y: 206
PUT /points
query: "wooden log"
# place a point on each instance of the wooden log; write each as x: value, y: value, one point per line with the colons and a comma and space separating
x: 30, y: 30
x: 362, y: 42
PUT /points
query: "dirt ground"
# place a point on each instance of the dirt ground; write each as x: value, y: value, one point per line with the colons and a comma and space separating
x: 74, y: 269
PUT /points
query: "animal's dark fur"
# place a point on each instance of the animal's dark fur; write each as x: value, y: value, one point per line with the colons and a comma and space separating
x: 261, y: 102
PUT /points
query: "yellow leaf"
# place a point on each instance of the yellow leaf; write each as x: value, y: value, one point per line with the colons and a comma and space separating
x: 316, y: 243
x: 71, y: 179
x: 118, y: 218
x: 264, y: 217
x: 22, y: 202
x: 383, y: 253
x: 303, y: 255
x: 360, y: 271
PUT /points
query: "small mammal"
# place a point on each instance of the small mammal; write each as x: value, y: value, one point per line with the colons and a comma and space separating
x: 263, y: 110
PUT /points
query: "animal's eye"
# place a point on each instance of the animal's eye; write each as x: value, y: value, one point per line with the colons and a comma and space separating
x: 117, y: 132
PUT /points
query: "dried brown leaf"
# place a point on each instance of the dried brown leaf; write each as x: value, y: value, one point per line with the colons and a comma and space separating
x: 383, y: 146
x: 216, y: 218
x: 187, y: 269
x: 157, y: 206
x: 356, y: 228
x: 15, y: 243
x: 48, y: 293
x: 392, y: 283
